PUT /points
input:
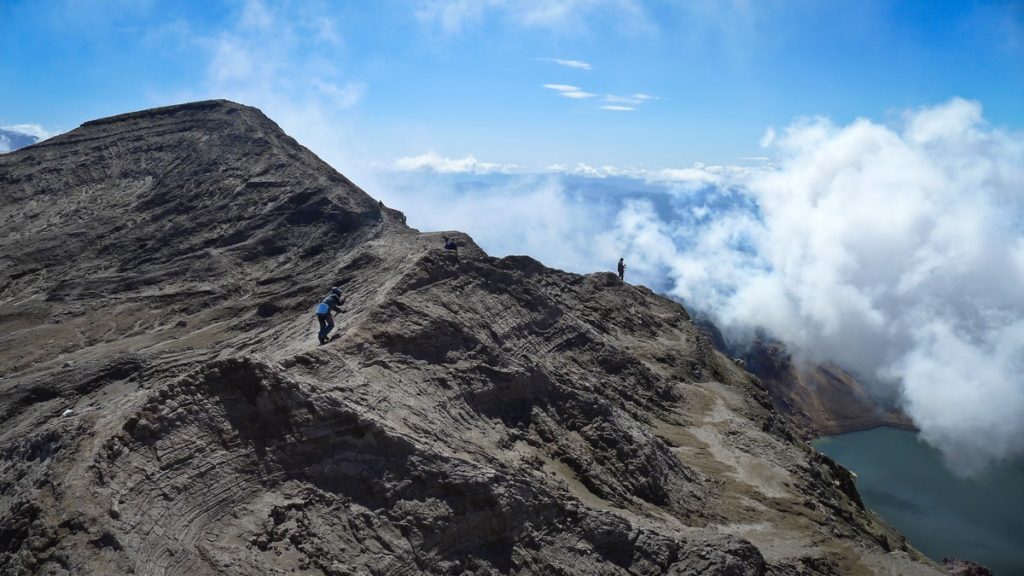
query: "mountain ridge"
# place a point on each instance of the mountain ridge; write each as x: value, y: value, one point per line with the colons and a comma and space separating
x: 167, y: 410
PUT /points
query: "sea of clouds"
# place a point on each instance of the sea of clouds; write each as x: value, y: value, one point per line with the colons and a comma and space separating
x: 895, y: 250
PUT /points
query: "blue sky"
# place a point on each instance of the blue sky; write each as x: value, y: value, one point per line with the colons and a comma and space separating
x: 366, y: 83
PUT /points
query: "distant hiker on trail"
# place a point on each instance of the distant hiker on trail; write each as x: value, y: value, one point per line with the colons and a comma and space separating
x: 323, y: 313
x: 622, y: 270
x: 450, y: 244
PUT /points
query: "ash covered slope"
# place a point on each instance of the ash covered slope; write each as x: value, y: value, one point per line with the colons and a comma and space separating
x: 476, y: 414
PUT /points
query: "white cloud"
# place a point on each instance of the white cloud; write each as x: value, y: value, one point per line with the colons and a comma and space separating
x: 607, y: 171
x: 233, y: 61
x: 895, y: 251
x: 577, y: 64
x: 968, y: 387
x: 30, y: 129
x: 326, y: 30
x: 626, y: 103
x: 255, y: 15
x: 343, y: 97
x: 696, y: 175
x: 569, y: 91
x: 433, y: 162
x: 615, y: 103
x: 453, y: 16
x: 526, y: 214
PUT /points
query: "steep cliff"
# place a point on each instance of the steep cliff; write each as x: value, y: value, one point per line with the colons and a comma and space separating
x: 165, y: 407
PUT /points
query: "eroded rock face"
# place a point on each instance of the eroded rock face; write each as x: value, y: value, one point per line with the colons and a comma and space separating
x: 475, y: 415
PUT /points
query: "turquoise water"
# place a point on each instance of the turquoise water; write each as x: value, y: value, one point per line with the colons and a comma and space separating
x: 906, y: 483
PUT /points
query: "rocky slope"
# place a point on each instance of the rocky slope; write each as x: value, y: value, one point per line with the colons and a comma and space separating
x: 165, y: 408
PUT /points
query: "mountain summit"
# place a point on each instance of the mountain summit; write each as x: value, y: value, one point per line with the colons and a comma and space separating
x: 165, y: 407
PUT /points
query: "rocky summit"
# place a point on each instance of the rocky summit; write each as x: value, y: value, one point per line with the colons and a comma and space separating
x: 165, y: 407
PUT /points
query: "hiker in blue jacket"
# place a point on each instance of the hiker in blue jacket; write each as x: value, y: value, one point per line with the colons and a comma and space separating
x: 329, y: 304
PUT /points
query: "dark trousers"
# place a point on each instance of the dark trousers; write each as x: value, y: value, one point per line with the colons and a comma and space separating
x: 326, y: 325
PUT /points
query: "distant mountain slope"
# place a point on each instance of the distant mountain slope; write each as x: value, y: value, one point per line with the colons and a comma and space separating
x: 11, y: 140
x: 165, y: 408
x: 824, y: 397
x: 821, y: 399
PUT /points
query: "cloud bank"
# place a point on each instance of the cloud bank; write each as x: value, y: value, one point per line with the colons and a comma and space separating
x: 434, y: 162
x: 896, y: 250
x: 20, y: 135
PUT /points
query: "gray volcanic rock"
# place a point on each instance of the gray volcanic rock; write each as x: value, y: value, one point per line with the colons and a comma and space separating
x: 964, y: 568
x: 167, y: 410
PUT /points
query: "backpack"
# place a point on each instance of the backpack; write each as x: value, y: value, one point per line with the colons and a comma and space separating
x: 323, y: 308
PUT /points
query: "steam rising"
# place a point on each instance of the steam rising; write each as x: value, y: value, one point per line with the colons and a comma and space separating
x: 895, y: 250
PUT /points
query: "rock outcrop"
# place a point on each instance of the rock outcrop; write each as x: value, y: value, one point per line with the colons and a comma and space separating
x: 165, y: 408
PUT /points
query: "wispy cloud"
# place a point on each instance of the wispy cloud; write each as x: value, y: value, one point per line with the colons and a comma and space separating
x: 30, y: 129
x: 345, y: 96
x: 632, y: 99
x: 618, y: 108
x: 569, y: 91
x: 577, y: 64
x: 255, y: 15
x: 453, y: 16
x: 433, y: 162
